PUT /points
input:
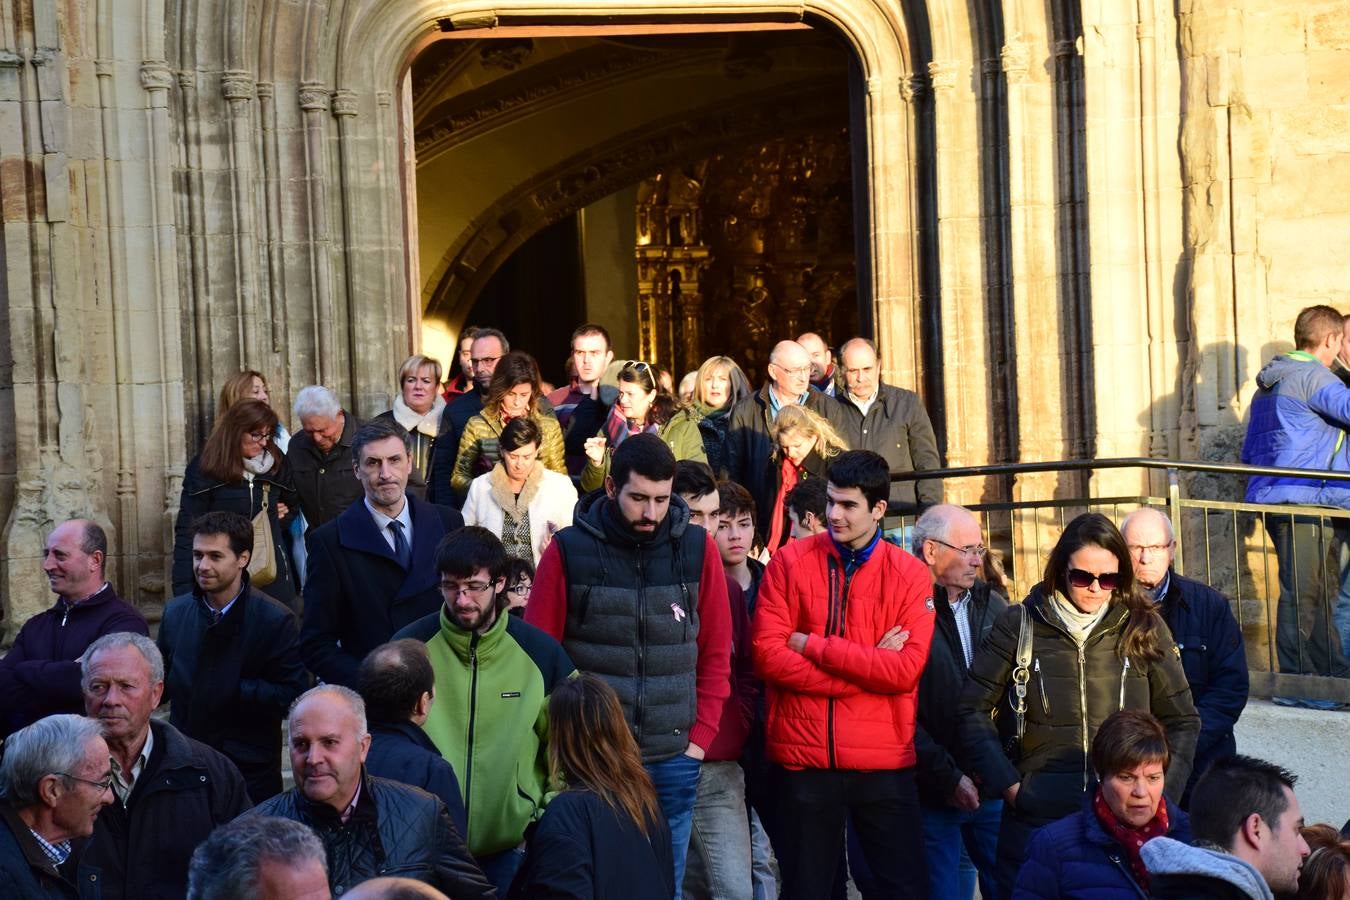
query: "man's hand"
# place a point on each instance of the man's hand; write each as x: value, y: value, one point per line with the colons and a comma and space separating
x: 694, y: 751
x: 965, y: 797
x: 894, y: 639
x: 797, y: 642
x: 1010, y: 794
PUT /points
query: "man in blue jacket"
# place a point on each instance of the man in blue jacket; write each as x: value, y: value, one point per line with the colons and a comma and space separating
x: 1203, y: 626
x: 1298, y: 417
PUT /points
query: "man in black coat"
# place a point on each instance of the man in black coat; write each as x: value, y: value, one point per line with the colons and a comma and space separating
x: 39, y: 675
x: 368, y: 825
x: 372, y: 569
x: 320, y: 455
x: 890, y: 421
x: 231, y: 656
x: 398, y: 684
x: 171, y: 791
x: 955, y: 810
x: 489, y: 345
x: 1206, y: 633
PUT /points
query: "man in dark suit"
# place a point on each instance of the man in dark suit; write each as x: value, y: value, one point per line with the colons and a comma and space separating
x: 372, y: 569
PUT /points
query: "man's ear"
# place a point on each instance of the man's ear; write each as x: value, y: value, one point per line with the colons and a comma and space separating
x: 245, y: 557
x: 1254, y: 831
x: 610, y: 490
x: 879, y: 511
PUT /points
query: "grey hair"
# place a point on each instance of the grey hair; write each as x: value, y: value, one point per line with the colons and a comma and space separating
x: 316, y: 400
x: 1167, y: 522
x: 54, y: 745
x: 352, y: 698
x: 934, y: 525
x: 228, y: 864
x: 118, y: 639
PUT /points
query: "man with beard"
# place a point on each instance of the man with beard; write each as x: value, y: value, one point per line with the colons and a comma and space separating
x: 500, y: 672
x: 638, y: 596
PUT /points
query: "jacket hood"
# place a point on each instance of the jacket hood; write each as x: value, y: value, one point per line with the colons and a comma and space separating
x: 1164, y: 856
x: 1283, y: 365
x: 597, y: 515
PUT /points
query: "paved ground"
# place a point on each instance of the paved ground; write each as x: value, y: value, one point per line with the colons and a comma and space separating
x: 1313, y: 745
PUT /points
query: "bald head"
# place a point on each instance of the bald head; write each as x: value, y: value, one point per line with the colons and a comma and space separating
x: 949, y: 539
x: 858, y: 358
x: 394, y: 889
x: 1152, y: 544
x: 819, y: 353
x: 790, y: 370
x: 73, y: 557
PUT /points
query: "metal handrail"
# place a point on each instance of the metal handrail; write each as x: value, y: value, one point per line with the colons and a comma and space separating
x: 1124, y: 462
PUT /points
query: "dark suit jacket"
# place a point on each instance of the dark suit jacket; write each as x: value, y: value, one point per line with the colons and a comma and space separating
x: 356, y: 593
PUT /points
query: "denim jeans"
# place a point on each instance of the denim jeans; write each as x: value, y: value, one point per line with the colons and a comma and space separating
x: 763, y: 866
x: 676, y: 780
x: 961, y: 844
x: 1301, y: 547
x: 1341, y: 614
x: 500, y: 868
x: 719, y: 845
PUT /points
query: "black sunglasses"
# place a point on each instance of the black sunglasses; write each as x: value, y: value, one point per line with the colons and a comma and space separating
x: 1080, y: 578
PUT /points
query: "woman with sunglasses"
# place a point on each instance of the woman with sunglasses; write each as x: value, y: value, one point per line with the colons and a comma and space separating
x: 1097, y: 646
x: 239, y: 459
x: 640, y: 407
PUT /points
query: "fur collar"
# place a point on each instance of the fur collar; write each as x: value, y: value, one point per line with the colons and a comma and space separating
x: 506, y: 498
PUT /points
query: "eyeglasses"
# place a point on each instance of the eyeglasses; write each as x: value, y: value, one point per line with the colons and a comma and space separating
x: 1141, y: 549
x: 520, y: 588
x: 483, y: 360
x: 101, y: 785
x: 1080, y: 578
x: 976, y: 550
x: 800, y: 371
x: 258, y: 437
x: 472, y: 588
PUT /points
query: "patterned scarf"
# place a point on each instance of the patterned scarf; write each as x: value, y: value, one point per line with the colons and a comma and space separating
x: 1132, y: 839
x: 618, y: 430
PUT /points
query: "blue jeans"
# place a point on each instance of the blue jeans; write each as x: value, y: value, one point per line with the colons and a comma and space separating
x: 500, y: 868
x: 1341, y: 614
x: 676, y: 780
x: 763, y: 867
x: 961, y: 844
x: 1302, y: 544
x: 719, y: 848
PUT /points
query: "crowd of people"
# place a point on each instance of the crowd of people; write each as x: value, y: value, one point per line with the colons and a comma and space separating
x: 607, y: 641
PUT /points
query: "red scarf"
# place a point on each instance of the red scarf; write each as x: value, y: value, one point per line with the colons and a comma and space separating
x: 788, y: 476
x: 1130, y: 838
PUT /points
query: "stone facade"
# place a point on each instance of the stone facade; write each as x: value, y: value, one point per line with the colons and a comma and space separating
x: 1113, y: 212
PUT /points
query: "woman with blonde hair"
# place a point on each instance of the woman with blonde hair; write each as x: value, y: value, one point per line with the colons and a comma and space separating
x: 418, y: 406
x: 719, y: 384
x: 805, y: 444
x: 513, y: 393
x: 249, y: 384
x: 603, y: 836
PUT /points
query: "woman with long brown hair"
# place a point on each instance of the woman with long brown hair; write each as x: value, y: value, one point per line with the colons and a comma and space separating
x: 239, y: 469
x: 603, y: 836
x: 1097, y: 645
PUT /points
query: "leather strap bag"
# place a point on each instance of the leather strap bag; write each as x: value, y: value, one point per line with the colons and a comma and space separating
x: 262, y: 565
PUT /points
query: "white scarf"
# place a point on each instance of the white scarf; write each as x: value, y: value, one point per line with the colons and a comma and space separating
x: 1078, y: 623
x: 410, y: 419
x: 260, y: 464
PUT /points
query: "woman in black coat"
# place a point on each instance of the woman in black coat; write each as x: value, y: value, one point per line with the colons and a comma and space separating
x: 1097, y: 646
x: 238, y: 467
x: 604, y: 837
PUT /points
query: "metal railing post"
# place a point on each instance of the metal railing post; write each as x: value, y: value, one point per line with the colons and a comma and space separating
x: 1174, y: 512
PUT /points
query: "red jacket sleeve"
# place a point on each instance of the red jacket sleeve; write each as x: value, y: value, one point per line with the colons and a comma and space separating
x: 714, y: 646
x: 880, y: 671
x: 776, y: 663
x: 547, y: 606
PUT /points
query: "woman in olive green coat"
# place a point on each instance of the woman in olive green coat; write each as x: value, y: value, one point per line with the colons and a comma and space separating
x: 639, y: 408
x: 513, y: 393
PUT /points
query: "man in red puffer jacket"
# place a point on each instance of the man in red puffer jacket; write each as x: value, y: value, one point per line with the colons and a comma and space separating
x: 841, y: 635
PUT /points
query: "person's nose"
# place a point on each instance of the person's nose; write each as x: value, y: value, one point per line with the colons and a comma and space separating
x: 651, y: 510
x: 1138, y: 790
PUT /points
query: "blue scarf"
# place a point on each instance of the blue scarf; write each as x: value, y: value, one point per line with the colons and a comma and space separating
x: 853, y: 559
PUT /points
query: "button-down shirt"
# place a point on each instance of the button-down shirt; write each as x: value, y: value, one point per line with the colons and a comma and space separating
x: 57, y: 853
x: 217, y: 615
x: 382, y: 523
x: 351, y: 807
x: 1160, y: 592
x: 775, y: 406
x: 864, y: 405
x: 123, y: 783
x: 961, y: 610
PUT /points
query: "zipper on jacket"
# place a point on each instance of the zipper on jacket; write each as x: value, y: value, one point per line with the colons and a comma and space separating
x: 473, y: 715
x: 1040, y: 683
x: 1129, y: 875
x: 640, y: 700
x: 1124, y: 673
x: 831, y: 620
x: 1082, y: 706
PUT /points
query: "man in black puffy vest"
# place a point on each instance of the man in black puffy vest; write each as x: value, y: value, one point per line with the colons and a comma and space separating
x: 638, y: 597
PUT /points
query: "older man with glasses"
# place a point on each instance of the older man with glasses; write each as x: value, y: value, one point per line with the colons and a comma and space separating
x: 54, y: 781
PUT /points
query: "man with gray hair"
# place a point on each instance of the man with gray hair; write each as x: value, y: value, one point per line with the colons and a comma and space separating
x: 40, y: 675
x: 319, y: 456
x: 54, y: 781
x: 259, y: 858
x: 1206, y: 633
x: 368, y: 825
x: 960, y: 822
x: 171, y: 791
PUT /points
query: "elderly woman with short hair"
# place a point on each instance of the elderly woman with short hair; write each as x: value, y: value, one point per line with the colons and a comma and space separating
x: 418, y: 406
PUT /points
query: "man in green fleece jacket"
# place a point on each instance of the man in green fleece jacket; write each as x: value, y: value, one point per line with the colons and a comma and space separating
x: 494, y: 674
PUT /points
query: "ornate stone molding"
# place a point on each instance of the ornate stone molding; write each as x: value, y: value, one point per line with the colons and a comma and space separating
x: 156, y: 75
x: 1016, y: 60
x: 313, y: 96
x: 187, y: 80
x: 912, y: 88
x: 942, y: 75
x: 345, y: 102
x: 10, y: 60
x: 1065, y: 48
x: 265, y: 90
x: 236, y: 85
x: 44, y: 56
x: 384, y: 98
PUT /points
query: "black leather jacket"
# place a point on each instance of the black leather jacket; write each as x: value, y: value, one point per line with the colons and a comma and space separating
x: 396, y: 831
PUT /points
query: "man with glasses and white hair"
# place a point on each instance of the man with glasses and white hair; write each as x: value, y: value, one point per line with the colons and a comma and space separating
x: 960, y: 823
x: 170, y: 790
x: 1202, y: 623
x: 54, y: 781
x: 259, y: 858
x: 320, y: 454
